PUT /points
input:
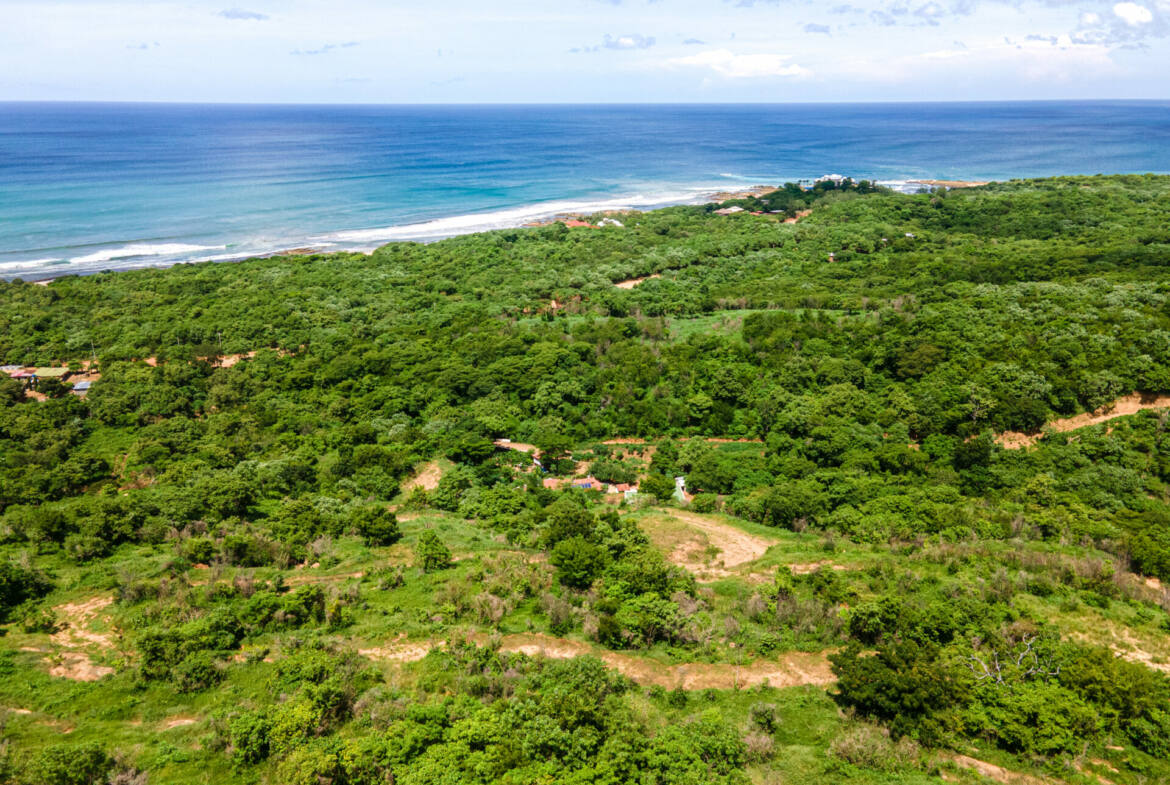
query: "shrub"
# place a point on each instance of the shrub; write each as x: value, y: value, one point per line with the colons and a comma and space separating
x: 196, y: 672
x: 870, y: 747
x: 578, y: 562
x: 242, y: 550
x: 903, y: 684
x: 1035, y: 717
x: 86, y: 764
x: 291, y: 724
x: 19, y: 584
x: 39, y: 620
x: 657, y: 485
x: 559, y: 613
x: 452, y: 486
x: 758, y: 746
x: 304, y: 605
x: 764, y: 717
x: 705, y: 502
x: 298, y: 522
x: 199, y: 550
x: 568, y: 518
x: 418, y: 499
x: 249, y: 737
x: 431, y: 553
x: 613, y: 471
x: 872, y: 621
x: 377, y: 525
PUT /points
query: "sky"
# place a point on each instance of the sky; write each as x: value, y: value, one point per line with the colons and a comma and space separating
x: 582, y: 51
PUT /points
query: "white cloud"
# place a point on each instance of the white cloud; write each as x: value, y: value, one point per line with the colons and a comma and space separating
x: 733, y: 66
x: 1133, y: 14
x: 243, y: 14
x: 1090, y: 19
x: 631, y: 41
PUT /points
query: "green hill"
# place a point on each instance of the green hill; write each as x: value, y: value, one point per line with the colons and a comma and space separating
x: 294, y: 532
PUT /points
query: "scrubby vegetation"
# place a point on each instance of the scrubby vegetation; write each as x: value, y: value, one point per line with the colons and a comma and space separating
x: 353, y: 551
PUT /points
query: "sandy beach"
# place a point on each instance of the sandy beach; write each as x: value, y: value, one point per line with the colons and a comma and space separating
x: 950, y: 183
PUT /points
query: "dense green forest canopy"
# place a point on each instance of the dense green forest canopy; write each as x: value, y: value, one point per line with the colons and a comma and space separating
x: 831, y: 387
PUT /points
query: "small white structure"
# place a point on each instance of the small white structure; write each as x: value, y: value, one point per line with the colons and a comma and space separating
x: 910, y: 235
x: 610, y: 222
x: 836, y: 179
x: 680, y: 488
x: 729, y: 210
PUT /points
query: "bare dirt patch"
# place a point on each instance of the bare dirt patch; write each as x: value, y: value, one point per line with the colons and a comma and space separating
x: 78, y: 666
x: 704, y: 545
x: 300, y: 580
x: 179, y: 722
x: 798, y: 216
x: 539, y: 645
x: 75, y: 619
x: 400, y: 650
x: 508, y: 444
x: 1128, y: 647
x: 736, y: 545
x: 997, y: 773
x: 427, y: 478
x: 787, y: 670
x: 74, y: 636
x: 1122, y: 407
x: 632, y: 282
x: 1151, y: 650
x: 228, y: 360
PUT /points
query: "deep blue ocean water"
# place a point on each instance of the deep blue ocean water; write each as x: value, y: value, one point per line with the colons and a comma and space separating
x: 88, y: 187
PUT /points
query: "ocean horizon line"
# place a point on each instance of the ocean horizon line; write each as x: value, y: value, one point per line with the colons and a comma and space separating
x: 563, y: 104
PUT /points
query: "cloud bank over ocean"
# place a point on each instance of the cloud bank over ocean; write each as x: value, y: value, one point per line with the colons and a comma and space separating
x: 513, y: 52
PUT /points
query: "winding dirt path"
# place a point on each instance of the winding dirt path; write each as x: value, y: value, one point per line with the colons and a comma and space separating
x: 632, y: 282
x: 996, y: 773
x: 798, y: 216
x: 1122, y: 407
x: 787, y: 670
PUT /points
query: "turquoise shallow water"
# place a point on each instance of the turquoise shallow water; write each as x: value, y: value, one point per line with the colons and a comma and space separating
x: 88, y: 187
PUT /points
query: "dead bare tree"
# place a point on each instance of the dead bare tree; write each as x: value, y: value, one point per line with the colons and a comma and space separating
x: 1023, y: 665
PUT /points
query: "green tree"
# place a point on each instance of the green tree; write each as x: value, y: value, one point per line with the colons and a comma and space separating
x: 431, y: 554
x: 85, y: 764
x: 905, y: 685
x: 377, y: 525
x: 568, y: 518
x: 578, y: 562
x: 659, y: 486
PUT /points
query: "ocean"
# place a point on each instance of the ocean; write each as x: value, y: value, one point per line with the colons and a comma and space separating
x: 91, y: 187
